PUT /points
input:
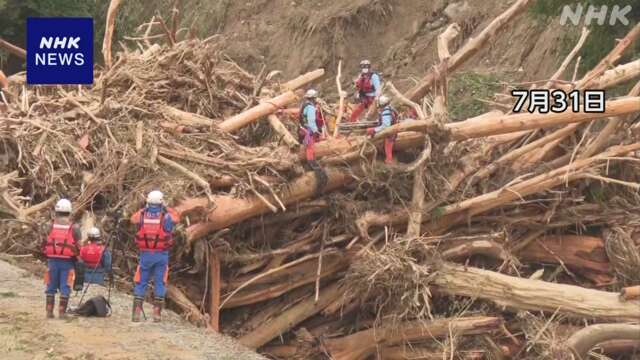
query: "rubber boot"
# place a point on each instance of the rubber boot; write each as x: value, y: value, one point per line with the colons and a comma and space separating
x: 158, y: 304
x: 136, y: 311
x: 51, y: 301
x: 62, y: 307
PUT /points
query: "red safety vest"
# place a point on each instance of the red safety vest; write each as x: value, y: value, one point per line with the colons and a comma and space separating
x: 60, y: 242
x: 364, y: 83
x: 151, y: 234
x: 92, y: 254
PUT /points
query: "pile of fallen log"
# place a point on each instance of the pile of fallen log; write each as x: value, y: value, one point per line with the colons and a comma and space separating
x: 501, y: 236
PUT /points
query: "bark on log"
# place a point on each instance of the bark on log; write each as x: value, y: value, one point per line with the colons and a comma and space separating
x: 364, y: 343
x: 585, y: 339
x: 536, y: 295
x: 618, y: 75
x: 472, y: 46
x: 303, y: 80
x: 230, y: 210
x: 189, y: 310
x: 630, y: 293
x: 278, y: 127
x: 620, y: 347
x: 265, y: 108
x: 12, y: 49
x: 108, y: 32
x: 290, y: 318
x: 576, y: 252
x: 187, y: 118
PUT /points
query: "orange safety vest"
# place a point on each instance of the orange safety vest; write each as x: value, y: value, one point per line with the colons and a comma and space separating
x: 60, y: 242
x: 92, y: 254
x: 151, y: 234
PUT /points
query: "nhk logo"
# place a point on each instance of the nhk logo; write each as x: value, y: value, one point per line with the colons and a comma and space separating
x: 59, y: 51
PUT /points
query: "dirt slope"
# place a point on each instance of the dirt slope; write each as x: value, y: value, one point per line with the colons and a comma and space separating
x: 26, y: 334
x: 397, y: 35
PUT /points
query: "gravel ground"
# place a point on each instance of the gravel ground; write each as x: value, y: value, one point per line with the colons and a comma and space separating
x: 26, y: 334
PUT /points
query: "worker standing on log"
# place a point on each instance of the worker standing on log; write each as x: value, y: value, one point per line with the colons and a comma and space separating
x: 154, y: 238
x: 368, y: 89
x: 96, y: 257
x: 387, y: 116
x: 61, y: 250
x: 311, y: 122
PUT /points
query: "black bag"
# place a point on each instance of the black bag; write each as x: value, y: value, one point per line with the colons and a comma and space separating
x: 78, y: 282
x: 96, y: 306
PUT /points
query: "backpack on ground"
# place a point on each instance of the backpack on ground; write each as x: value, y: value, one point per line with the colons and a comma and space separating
x: 97, y: 306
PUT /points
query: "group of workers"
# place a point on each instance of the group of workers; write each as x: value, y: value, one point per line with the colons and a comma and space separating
x: 368, y: 93
x: 154, y: 238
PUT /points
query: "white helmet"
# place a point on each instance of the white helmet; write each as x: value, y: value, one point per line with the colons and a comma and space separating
x: 63, y: 206
x: 93, y: 233
x: 383, y: 100
x: 155, y: 197
x: 311, y: 94
x: 365, y: 63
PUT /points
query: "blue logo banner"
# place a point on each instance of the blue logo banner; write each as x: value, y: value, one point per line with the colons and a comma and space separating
x: 59, y: 51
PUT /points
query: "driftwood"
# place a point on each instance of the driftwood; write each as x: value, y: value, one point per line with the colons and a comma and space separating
x: 290, y: 318
x: 363, y: 344
x: 214, y: 291
x: 278, y: 127
x: 526, y: 294
x: 190, y: 311
x: 586, y: 338
x: 630, y: 293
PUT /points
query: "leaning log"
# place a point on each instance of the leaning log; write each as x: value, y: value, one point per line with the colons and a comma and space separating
x: 230, y: 210
x: 12, y: 49
x: 189, y: 310
x: 270, y: 106
x: 534, y: 295
x: 290, y: 318
x: 469, y: 49
x: 364, y: 343
x: 108, y: 32
x: 585, y: 339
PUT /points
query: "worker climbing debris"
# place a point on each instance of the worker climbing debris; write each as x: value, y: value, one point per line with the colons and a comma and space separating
x: 311, y: 125
x: 61, y: 250
x: 368, y: 89
x: 96, y: 257
x: 387, y: 116
x: 154, y: 238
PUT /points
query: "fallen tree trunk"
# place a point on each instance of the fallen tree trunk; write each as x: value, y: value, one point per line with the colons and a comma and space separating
x: 186, y: 118
x: 214, y: 291
x: 278, y: 127
x: 576, y: 252
x: 469, y: 49
x: 12, y: 49
x: 536, y: 295
x: 230, y: 210
x: 473, y: 128
x: 586, y: 338
x: 290, y: 318
x: 189, y: 310
x: 630, y: 293
x: 268, y: 107
x: 364, y: 343
x: 404, y: 352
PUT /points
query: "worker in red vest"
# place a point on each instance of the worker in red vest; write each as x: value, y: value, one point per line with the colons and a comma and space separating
x: 96, y: 257
x: 368, y: 88
x: 61, y: 250
x: 154, y: 238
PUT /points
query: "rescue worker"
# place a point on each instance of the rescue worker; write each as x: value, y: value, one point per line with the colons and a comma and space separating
x: 387, y: 116
x: 154, y: 238
x: 61, y: 250
x: 96, y: 257
x: 311, y: 122
x: 368, y: 89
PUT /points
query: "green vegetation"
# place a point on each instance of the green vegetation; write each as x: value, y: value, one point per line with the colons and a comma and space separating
x: 602, y: 37
x: 465, y: 90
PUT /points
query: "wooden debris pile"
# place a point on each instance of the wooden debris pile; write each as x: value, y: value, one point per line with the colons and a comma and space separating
x: 502, y: 236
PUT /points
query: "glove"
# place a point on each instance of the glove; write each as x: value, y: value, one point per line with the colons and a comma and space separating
x: 357, y: 95
x: 371, y: 132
